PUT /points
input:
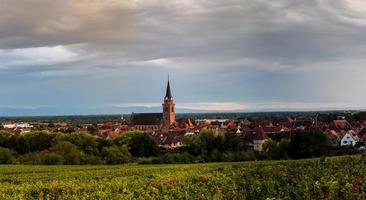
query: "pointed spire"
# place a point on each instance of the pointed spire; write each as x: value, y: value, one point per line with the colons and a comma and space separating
x: 168, y: 94
x: 260, y: 134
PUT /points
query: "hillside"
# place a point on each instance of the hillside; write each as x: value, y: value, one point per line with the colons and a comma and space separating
x: 320, y: 178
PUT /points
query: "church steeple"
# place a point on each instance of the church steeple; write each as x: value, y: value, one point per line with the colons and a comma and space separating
x: 168, y: 94
x: 168, y: 108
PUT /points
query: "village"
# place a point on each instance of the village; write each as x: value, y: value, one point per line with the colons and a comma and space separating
x: 170, y: 133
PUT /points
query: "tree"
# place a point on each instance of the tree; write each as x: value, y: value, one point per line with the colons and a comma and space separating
x: 276, y: 150
x: 34, y: 158
x: 271, y: 148
x: 308, y: 143
x: 38, y: 141
x: 139, y: 144
x: 85, y: 142
x: 205, y: 142
x: 51, y: 159
x: 7, y: 156
x: 235, y: 144
x: 116, y: 155
x: 69, y: 152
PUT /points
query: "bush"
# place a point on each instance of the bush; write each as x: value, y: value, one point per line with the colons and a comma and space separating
x: 92, y: 160
x: 347, y: 150
x: 139, y: 144
x: 276, y: 150
x: 205, y: 143
x: 215, y: 156
x: 238, y: 156
x: 169, y: 158
x: 51, y: 159
x: 30, y: 159
x: 116, y: 155
x: 68, y: 151
x: 145, y: 161
x: 7, y: 156
x: 309, y: 143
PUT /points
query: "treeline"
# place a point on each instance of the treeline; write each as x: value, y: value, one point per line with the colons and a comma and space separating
x: 74, y: 148
x: 71, y: 120
x: 208, y: 146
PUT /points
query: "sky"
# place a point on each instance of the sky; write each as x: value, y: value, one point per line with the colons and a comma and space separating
x: 65, y: 57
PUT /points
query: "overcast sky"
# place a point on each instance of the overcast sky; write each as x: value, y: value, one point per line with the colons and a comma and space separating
x: 113, y: 56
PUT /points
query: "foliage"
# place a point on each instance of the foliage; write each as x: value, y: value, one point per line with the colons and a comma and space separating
x: 30, y: 159
x: 309, y: 143
x: 208, y: 146
x: 205, y: 143
x: 239, y: 156
x: 7, y: 156
x: 170, y: 158
x: 68, y: 151
x: 276, y: 150
x: 116, y: 155
x: 140, y: 144
x: 329, y: 178
x: 51, y: 159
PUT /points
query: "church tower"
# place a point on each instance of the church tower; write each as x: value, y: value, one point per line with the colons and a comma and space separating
x: 168, y: 108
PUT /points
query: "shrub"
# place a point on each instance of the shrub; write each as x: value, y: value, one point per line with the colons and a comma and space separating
x: 116, y: 155
x: 51, y: 159
x: 169, y: 158
x: 238, y: 156
x: 7, y: 156
x: 92, y: 160
x: 309, y: 143
x: 139, y: 144
x: 145, y: 161
x: 30, y: 159
x: 69, y: 152
x: 347, y: 150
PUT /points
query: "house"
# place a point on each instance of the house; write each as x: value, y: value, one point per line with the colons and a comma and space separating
x: 362, y: 135
x: 170, y: 139
x: 259, y: 139
x: 182, y: 124
x: 333, y: 137
x: 340, y: 124
x: 17, y: 125
x: 350, y: 138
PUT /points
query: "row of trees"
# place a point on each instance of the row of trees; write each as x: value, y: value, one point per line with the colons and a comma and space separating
x: 74, y: 148
x: 208, y: 146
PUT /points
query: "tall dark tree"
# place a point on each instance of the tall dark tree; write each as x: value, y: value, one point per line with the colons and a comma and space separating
x: 140, y: 144
x: 206, y: 142
x: 308, y: 143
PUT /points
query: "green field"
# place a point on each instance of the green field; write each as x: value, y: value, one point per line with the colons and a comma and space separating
x: 331, y: 178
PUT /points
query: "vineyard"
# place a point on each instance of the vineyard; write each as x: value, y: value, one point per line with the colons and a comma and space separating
x: 320, y: 178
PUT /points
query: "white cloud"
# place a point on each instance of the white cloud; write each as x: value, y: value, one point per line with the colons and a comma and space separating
x: 37, y: 56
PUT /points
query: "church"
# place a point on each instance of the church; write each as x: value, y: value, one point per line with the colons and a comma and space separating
x: 151, y: 122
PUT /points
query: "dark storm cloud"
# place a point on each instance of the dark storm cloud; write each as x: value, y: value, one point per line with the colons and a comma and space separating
x: 285, y: 32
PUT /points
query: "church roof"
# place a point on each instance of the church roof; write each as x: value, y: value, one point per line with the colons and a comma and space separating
x: 146, y: 119
x: 168, y: 94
